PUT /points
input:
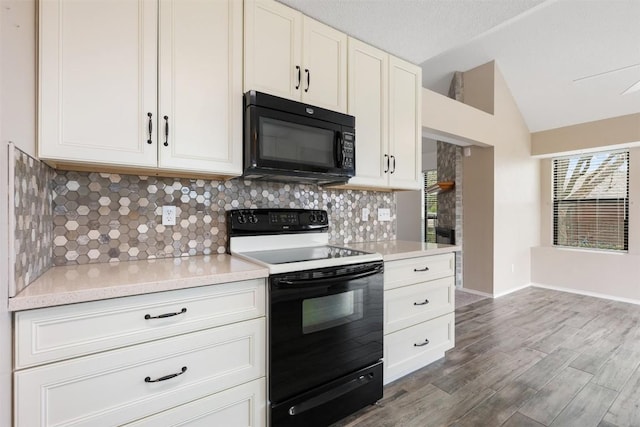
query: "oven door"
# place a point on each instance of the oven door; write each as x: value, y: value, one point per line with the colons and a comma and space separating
x: 323, y: 324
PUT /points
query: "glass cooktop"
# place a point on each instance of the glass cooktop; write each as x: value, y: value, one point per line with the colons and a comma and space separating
x: 312, y: 253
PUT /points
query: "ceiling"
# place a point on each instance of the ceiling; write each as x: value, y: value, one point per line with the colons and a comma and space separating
x: 544, y: 48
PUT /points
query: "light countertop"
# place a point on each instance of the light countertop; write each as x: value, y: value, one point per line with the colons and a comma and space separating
x: 90, y: 282
x: 401, y: 249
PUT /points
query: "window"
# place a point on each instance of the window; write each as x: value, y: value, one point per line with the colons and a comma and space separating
x: 430, y: 206
x: 590, y: 201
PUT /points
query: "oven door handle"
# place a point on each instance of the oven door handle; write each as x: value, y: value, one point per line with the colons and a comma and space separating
x: 321, y: 281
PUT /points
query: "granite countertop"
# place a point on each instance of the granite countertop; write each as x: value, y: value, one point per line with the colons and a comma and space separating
x: 401, y: 249
x: 90, y: 282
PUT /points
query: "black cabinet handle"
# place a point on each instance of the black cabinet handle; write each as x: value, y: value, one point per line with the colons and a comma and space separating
x: 386, y: 157
x: 306, y: 70
x: 422, y: 344
x: 393, y: 169
x: 299, y: 77
x: 166, y: 131
x: 166, y: 377
x: 421, y: 269
x: 425, y: 302
x: 162, y: 316
x: 149, y: 141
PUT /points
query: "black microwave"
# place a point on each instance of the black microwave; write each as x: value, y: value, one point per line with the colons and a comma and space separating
x: 286, y: 140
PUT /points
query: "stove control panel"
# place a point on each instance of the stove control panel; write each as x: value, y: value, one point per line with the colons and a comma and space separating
x: 274, y: 221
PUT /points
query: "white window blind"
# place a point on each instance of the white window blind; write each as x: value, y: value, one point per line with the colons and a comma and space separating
x: 590, y: 200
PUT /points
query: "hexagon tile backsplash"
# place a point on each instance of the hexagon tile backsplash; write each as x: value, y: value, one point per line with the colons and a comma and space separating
x: 64, y: 217
x: 107, y: 217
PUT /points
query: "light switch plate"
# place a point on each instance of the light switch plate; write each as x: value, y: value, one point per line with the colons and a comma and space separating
x: 365, y: 214
x: 168, y: 215
x: 384, y: 214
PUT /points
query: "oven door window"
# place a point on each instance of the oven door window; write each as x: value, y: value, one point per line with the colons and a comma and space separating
x: 326, y: 312
x: 288, y: 142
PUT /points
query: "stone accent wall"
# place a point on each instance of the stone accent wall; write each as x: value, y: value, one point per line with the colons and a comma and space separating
x: 110, y: 217
x: 31, y: 199
x: 450, y: 202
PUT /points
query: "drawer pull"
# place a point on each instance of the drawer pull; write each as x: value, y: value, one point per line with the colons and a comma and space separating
x: 422, y: 344
x: 166, y: 377
x: 162, y: 316
x: 425, y: 302
x: 421, y: 269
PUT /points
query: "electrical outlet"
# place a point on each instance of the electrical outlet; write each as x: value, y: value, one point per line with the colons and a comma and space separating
x: 384, y: 214
x: 365, y: 214
x: 168, y: 215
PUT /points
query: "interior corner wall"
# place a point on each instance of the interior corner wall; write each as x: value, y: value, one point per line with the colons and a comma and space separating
x: 609, y: 274
x: 477, y: 219
x: 517, y: 194
x: 409, y: 216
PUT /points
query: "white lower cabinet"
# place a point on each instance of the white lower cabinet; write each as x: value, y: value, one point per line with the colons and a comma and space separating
x: 419, y: 318
x: 241, y: 406
x: 224, y: 365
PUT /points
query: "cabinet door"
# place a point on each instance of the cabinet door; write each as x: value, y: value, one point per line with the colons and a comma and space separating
x: 97, y: 81
x: 405, y: 124
x: 272, y: 48
x: 368, y: 75
x: 324, y: 59
x: 200, y: 89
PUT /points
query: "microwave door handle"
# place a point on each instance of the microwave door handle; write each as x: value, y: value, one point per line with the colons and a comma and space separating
x: 339, y: 150
x: 323, y: 281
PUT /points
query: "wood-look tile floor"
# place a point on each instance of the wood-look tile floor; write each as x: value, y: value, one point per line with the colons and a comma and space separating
x: 532, y: 358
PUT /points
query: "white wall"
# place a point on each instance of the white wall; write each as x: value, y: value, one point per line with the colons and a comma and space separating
x: 17, y: 124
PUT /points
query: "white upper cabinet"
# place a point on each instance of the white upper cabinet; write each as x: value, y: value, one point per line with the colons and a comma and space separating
x: 292, y: 56
x: 368, y: 83
x: 405, y: 125
x: 98, y: 80
x: 200, y: 91
x: 385, y: 98
x: 148, y: 83
x: 324, y: 77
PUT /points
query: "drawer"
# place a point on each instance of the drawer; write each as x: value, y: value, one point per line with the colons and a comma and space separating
x: 117, y: 387
x: 407, y: 350
x: 56, y: 333
x: 416, y: 270
x: 241, y: 406
x: 413, y: 304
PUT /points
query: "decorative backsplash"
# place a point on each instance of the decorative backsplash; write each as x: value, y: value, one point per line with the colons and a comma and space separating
x: 32, y: 204
x: 107, y: 217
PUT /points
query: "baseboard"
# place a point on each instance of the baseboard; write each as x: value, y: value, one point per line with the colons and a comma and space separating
x: 510, y: 291
x: 501, y: 294
x: 471, y: 291
x: 586, y: 293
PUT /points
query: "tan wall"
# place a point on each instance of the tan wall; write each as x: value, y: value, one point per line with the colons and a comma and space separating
x: 477, y: 219
x: 601, y: 133
x: 18, y: 82
x: 479, y: 88
x: 605, y: 273
x: 409, y: 215
x: 517, y: 194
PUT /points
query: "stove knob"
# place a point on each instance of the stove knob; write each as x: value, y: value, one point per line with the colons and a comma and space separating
x: 253, y: 219
x: 241, y: 219
x: 322, y: 217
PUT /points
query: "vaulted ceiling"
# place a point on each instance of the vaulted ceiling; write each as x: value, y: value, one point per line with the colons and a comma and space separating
x: 565, y: 61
